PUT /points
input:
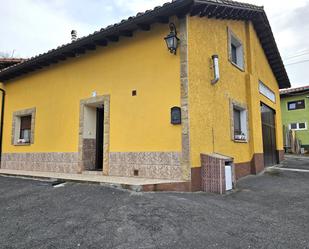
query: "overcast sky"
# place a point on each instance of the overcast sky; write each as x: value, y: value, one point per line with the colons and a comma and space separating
x: 30, y: 27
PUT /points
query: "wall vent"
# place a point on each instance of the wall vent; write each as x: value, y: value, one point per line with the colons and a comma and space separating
x: 135, y: 172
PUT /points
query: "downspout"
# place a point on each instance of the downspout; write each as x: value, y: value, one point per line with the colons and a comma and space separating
x: 1, y: 123
x: 215, y: 65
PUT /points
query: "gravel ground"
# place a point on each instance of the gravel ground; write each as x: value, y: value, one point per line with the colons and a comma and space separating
x: 268, y: 211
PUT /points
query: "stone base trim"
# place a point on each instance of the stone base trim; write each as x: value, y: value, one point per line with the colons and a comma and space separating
x: 280, y: 154
x: 45, y: 162
x: 257, y: 163
x: 159, y: 165
x: 242, y: 169
x: 89, y: 153
x: 177, y: 186
x: 196, y: 179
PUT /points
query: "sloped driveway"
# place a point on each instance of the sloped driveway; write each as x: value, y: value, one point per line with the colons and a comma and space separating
x: 296, y: 162
x: 269, y: 211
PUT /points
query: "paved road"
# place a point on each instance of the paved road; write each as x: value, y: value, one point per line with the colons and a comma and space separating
x: 269, y: 211
x: 296, y: 162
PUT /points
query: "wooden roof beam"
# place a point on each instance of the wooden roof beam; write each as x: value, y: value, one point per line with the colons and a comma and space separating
x: 102, y: 42
x: 90, y: 46
x: 113, y: 38
x: 126, y: 33
x: 162, y: 19
x: 68, y: 54
x: 144, y: 26
x: 205, y: 11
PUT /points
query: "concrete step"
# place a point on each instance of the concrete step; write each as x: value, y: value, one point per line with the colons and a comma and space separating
x: 92, y: 172
x: 130, y: 183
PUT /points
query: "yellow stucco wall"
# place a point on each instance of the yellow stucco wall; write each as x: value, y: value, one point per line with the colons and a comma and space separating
x: 140, y: 123
x: 210, y: 125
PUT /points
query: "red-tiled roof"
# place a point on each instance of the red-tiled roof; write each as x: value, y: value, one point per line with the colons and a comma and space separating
x: 221, y: 9
x: 11, y: 60
x: 8, y: 62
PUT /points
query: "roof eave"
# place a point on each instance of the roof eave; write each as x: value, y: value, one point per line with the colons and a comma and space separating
x: 174, y: 8
x: 220, y: 9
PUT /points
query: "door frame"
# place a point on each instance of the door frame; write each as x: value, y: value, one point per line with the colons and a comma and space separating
x: 275, y: 154
x: 105, y: 100
x: 99, y: 138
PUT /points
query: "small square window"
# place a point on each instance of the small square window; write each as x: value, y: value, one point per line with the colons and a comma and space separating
x: 239, y: 123
x: 296, y: 105
x: 292, y: 106
x: 236, y: 50
x: 234, y: 53
x: 298, y: 126
x: 293, y: 126
x: 23, y: 127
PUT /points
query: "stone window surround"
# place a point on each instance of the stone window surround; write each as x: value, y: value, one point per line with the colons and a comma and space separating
x: 105, y: 100
x: 16, y: 126
x: 234, y: 103
x: 231, y: 35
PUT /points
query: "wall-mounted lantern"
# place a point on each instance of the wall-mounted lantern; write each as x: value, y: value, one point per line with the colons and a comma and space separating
x: 175, y: 115
x: 215, y: 65
x: 171, y: 39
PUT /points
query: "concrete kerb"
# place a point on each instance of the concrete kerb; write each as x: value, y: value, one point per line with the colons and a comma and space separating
x: 279, y: 167
x: 149, y: 187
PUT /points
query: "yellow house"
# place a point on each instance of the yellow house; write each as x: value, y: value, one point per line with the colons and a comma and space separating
x: 119, y: 102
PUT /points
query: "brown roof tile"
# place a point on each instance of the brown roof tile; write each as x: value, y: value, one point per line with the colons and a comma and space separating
x: 224, y: 9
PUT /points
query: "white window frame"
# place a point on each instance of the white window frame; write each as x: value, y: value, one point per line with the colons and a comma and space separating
x: 297, y: 124
x: 265, y: 91
x: 244, y: 124
x: 16, y: 126
x: 240, y: 53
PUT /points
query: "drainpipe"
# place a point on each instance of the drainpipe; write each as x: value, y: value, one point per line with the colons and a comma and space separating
x: 1, y: 123
x: 215, y: 64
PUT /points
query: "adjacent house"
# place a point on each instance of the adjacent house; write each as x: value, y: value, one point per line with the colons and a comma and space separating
x: 147, y: 96
x: 295, y: 112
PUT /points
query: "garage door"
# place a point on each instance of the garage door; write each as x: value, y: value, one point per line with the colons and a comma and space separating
x: 269, y: 135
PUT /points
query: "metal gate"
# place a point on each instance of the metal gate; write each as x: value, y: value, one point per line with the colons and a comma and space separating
x: 269, y: 135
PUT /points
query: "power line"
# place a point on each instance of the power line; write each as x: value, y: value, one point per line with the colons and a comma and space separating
x: 295, y: 56
x: 297, y: 62
x: 304, y: 51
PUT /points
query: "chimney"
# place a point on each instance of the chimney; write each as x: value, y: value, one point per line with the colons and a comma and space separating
x: 73, y: 35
